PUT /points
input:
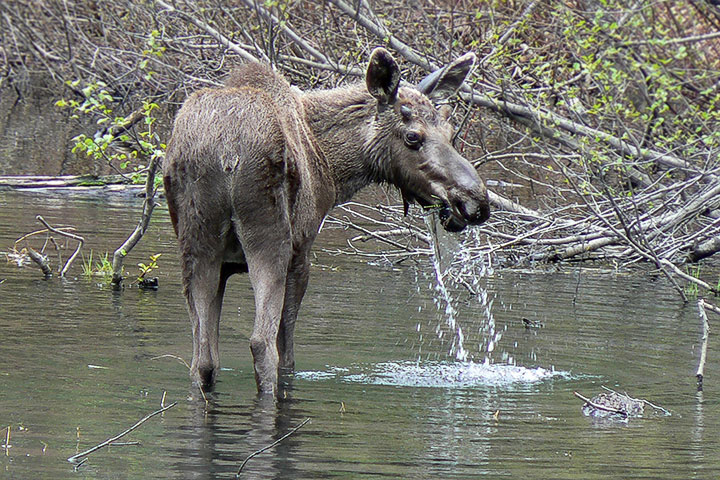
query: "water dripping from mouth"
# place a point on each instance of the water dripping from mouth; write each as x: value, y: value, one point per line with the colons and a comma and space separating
x: 452, y: 265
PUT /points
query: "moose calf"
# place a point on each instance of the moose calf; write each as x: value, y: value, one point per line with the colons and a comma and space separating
x: 252, y: 169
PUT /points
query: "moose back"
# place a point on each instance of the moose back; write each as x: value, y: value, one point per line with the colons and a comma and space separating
x: 252, y: 169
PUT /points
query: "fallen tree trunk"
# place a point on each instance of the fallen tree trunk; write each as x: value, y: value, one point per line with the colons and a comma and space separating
x: 63, y: 181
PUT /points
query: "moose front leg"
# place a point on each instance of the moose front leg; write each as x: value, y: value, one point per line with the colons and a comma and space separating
x: 295, y: 287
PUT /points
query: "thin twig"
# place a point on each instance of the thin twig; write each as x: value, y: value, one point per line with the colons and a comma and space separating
x: 671, y: 41
x: 37, y: 232
x: 182, y: 360
x: 168, y: 355
x: 271, y: 445
x: 74, y: 459
x: 7, y: 442
x: 687, y: 277
x: 226, y: 42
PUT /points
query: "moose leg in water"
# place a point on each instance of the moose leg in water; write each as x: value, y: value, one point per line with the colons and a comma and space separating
x: 262, y: 220
x: 267, y: 275
x: 204, y: 295
x: 201, y: 249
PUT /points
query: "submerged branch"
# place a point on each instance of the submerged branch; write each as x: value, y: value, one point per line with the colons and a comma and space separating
x: 42, y: 261
x: 63, y: 233
x: 182, y: 360
x: 600, y: 407
x: 700, y: 373
x: 75, y: 459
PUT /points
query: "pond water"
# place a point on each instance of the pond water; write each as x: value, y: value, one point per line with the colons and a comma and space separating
x: 385, y: 396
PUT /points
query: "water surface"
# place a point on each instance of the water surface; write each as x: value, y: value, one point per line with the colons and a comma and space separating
x: 386, y: 397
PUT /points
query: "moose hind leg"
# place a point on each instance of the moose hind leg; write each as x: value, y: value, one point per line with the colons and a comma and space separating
x: 204, y: 291
x: 295, y: 286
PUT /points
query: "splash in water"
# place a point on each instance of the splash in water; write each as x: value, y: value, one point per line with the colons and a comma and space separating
x: 436, y: 374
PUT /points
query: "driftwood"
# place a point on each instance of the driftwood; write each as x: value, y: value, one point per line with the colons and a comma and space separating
x: 63, y: 181
x: 705, y: 249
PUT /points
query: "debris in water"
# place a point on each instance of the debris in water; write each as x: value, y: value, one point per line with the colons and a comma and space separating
x: 612, y: 405
x: 529, y: 324
x: 148, y: 283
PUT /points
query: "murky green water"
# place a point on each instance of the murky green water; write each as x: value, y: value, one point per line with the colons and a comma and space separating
x: 76, y: 367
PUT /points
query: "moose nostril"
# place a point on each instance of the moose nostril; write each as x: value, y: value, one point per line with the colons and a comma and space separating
x: 472, y: 210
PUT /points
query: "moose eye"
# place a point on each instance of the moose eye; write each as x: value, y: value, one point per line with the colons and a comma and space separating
x: 413, y: 140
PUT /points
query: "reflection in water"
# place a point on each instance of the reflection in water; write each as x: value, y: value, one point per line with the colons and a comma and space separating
x: 212, y: 448
x: 698, y: 445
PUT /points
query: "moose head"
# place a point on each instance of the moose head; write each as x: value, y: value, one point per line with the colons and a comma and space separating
x: 413, y: 124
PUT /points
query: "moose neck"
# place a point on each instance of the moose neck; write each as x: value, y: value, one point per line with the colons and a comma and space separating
x: 346, y: 128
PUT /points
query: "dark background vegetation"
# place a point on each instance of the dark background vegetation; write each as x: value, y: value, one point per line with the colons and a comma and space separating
x: 596, y: 123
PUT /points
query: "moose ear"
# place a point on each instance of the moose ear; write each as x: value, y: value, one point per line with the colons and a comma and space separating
x: 445, y: 82
x: 382, y: 76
